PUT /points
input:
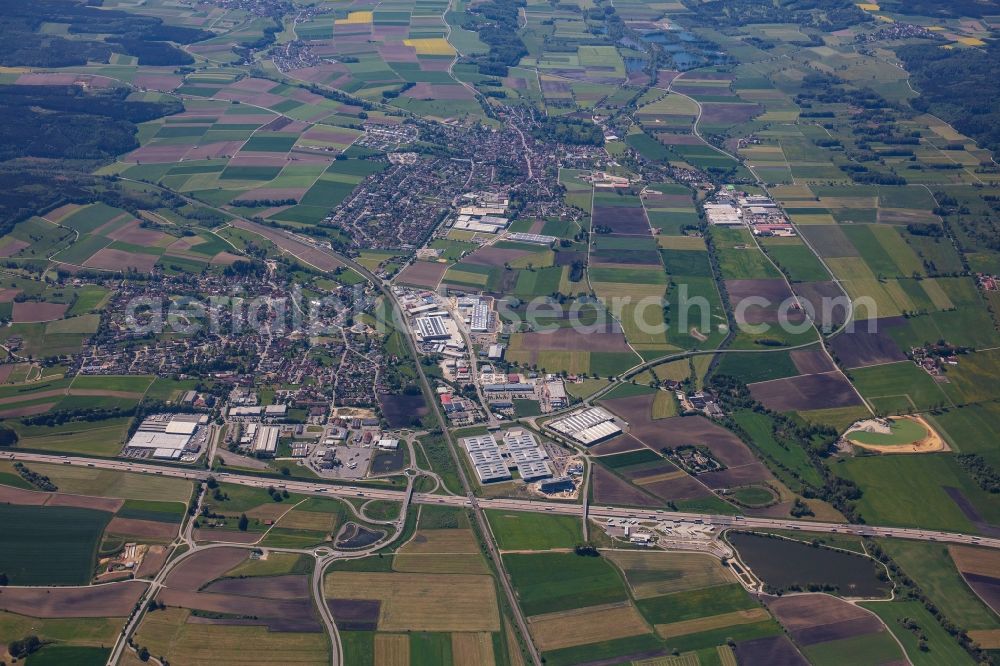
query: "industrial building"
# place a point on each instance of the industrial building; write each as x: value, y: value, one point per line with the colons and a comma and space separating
x: 535, y: 239
x: 480, y: 319
x: 167, y: 436
x: 527, y: 454
x: 723, y: 214
x: 486, y: 458
x: 588, y: 425
x: 432, y: 328
x: 265, y: 443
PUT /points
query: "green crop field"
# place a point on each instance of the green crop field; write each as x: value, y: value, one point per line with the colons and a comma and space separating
x: 531, y: 531
x: 50, y: 546
x: 930, y: 565
x: 549, y: 582
x: 893, y: 485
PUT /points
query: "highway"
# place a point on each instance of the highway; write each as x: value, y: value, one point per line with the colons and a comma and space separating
x: 537, y: 506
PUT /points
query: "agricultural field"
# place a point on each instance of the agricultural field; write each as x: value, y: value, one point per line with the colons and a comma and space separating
x: 322, y: 168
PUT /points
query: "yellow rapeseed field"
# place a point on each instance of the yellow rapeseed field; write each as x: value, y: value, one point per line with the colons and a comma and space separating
x: 356, y: 18
x: 432, y: 46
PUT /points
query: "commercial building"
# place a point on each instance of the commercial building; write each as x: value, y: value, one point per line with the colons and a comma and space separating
x: 723, y: 214
x: 535, y: 239
x: 167, y: 436
x: 486, y: 458
x: 588, y: 425
x: 480, y: 318
x: 265, y: 444
x: 432, y: 328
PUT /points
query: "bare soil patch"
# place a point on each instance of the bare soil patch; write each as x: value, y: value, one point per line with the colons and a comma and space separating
x: 773, y: 651
x: 149, y: 529
x: 819, y: 391
x: 809, y: 362
x: 115, y: 260
x: 612, y: 489
x: 111, y: 600
x: 860, y: 348
x: 28, y: 311
x: 622, y: 220
x: 817, y: 618
x: 267, y: 587
x: 203, y: 567
x: 355, y: 614
x: 423, y: 274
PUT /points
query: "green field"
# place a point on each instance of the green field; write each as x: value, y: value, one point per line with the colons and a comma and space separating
x: 50, y: 545
x: 532, y: 531
x: 902, y: 431
x: 893, y: 485
x: 930, y: 565
x: 549, y: 582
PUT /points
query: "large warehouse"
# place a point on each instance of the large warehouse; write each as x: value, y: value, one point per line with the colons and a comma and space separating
x: 167, y: 436
x: 588, y: 425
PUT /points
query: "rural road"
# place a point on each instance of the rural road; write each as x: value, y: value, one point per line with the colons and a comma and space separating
x: 537, y: 506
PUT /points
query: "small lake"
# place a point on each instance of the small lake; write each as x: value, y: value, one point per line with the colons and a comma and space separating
x: 782, y: 563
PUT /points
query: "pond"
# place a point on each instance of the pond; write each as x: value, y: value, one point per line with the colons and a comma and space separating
x: 783, y: 564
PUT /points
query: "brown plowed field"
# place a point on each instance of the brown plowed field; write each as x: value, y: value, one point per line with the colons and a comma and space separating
x: 773, y: 651
x: 203, y: 567
x: 622, y: 220
x: 28, y: 311
x: 268, y: 587
x: 810, y: 362
x: 817, y: 618
x: 423, y: 274
x: 678, y: 430
x: 860, y: 348
x: 737, y: 476
x: 820, y: 391
x: 149, y: 529
x: 611, y: 489
x: 113, y: 260
x: 814, y: 293
x: 567, y: 339
x: 620, y: 444
x: 277, y: 614
x: 111, y: 600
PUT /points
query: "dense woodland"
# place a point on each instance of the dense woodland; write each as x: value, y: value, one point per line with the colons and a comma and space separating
x: 64, y: 122
x: 96, y: 34
x: 960, y: 86
x: 497, y: 25
x: 821, y: 14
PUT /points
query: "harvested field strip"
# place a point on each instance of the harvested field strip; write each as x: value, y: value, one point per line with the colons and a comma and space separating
x: 169, y: 633
x: 442, y: 541
x: 439, y: 563
x: 652, y: 574
x: 669, y: 476
x: 113, y: 599
x: 982, y: 561
x: 712, y: 622
x: 579, y: 626
x: 422, y: 602
x: 392, y: 649
x: 472, y: 649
